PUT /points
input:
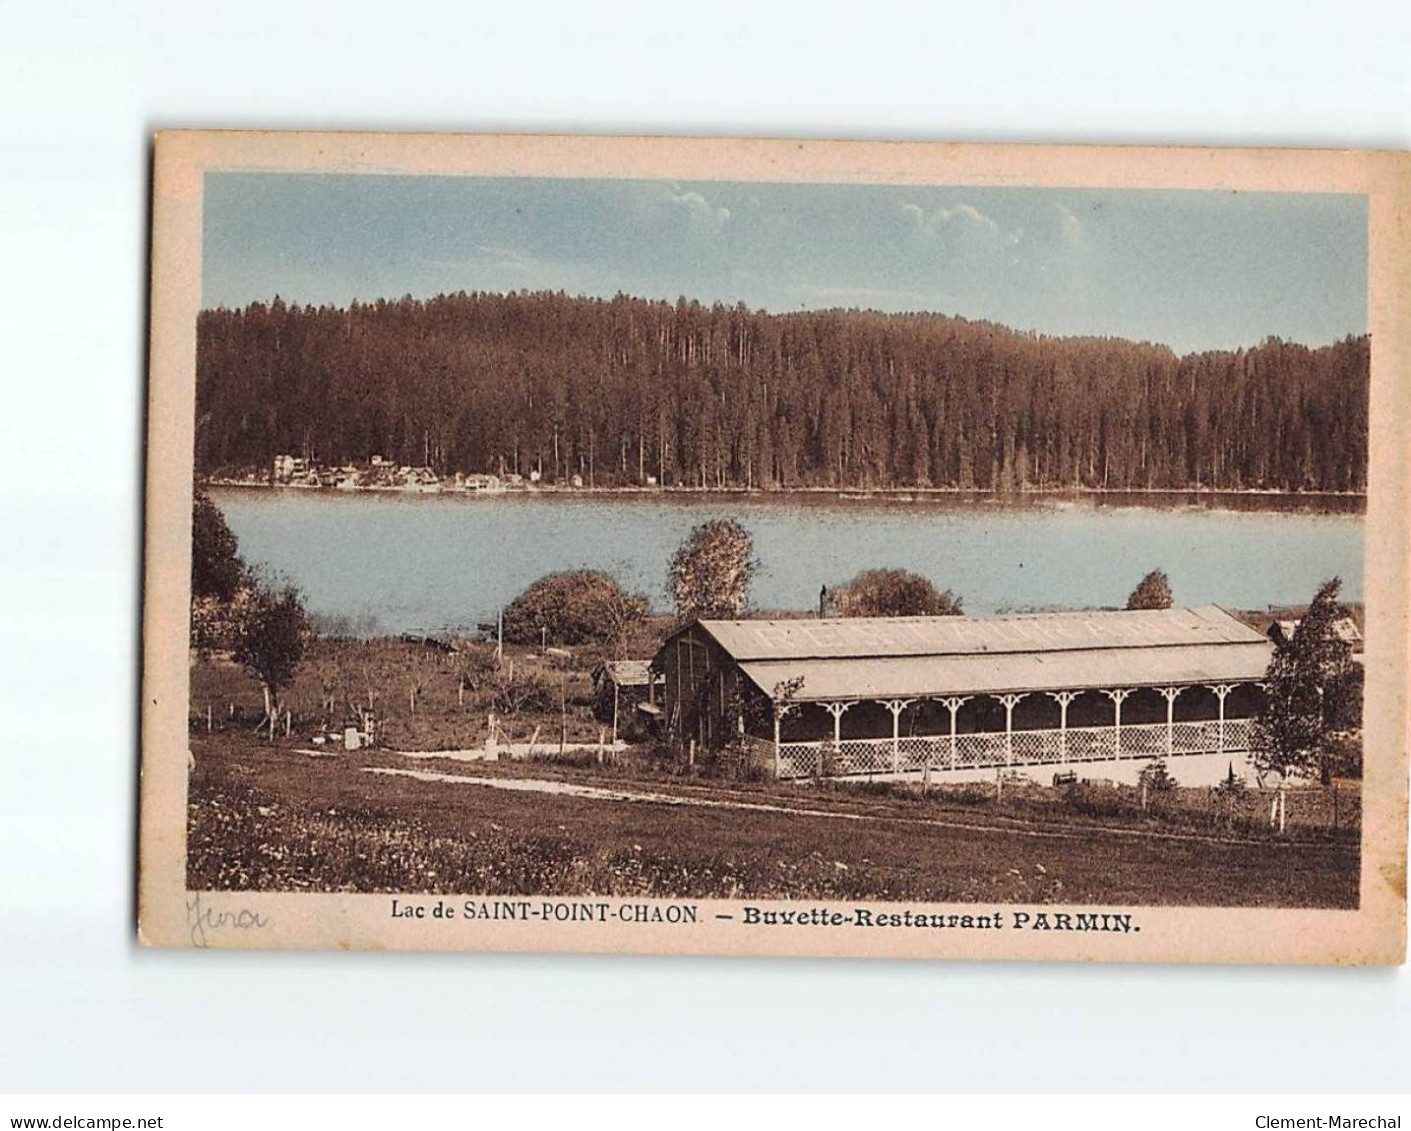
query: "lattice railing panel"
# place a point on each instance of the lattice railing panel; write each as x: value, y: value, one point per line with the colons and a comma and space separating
x: 984, y: 749
x: 798, y: 759
x: 862, y: 756
x: 916, y: 751
x: 1195, y: 738
x: 1037, y: 747
x: 992, y: 749
x: 1087, y: 744
x: 1144, y: 739
x: 1238, y: 733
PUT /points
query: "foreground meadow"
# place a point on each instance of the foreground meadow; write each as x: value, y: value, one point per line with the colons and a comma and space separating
x: 270, y: 818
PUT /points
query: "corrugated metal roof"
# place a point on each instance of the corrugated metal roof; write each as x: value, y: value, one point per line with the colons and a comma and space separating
x: 906, y: 677
x: 876, y: 637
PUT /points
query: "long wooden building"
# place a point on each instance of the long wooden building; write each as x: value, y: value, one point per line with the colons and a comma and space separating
x: 958, y: 696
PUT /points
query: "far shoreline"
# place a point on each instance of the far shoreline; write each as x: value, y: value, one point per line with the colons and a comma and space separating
x: 844, y: 494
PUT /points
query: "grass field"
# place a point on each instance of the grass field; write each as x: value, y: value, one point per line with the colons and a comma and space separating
x: 268, y: 818
x: 424, y: 698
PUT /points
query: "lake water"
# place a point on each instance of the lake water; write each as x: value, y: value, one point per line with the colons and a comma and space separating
x: 432, y: 564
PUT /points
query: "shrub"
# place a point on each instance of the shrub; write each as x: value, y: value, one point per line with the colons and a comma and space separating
x: 1156, y: 787
x: 1231, y: 785
x: 573, y: 607
x: 969, y: 794
x: 1156, y: 779
x: 1152, y: 592
x: 1091, y: 800
x: 1228, y: 799
x: 1345, y: 756
x: 893, y: 593
x: 578, y: 759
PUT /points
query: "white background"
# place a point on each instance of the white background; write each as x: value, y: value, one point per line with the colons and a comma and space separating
x: 81, y: 88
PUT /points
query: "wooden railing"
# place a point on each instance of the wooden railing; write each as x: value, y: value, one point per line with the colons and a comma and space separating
x: 989, y: 749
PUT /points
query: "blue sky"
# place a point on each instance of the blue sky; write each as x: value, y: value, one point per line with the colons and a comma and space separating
x: 1195, y: 270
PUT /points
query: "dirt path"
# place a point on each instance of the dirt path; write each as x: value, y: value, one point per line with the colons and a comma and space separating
x: 650, y: 797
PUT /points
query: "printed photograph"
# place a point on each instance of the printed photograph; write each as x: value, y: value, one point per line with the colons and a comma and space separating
x: 735, y: 540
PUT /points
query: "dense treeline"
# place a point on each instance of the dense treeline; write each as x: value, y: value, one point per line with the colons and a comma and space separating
x: 617, y: 391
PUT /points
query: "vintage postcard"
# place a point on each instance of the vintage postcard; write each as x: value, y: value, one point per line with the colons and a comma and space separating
x: 776, y: 548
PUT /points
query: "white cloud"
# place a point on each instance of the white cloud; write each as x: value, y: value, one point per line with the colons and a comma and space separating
x: 964, y: 213
x: 962, y: 218
x: 961, y: 225
x: 700, y: 213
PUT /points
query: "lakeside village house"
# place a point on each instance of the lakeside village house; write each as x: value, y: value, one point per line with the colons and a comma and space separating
x: 384, y: 475
x: 1088, y: 694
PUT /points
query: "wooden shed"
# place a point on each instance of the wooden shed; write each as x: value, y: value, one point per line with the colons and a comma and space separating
x: 626, y: 686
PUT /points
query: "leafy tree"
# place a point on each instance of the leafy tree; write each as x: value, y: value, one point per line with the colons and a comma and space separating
x: 214, y: 623
x: 894, y: 593
x: 219, y: 577
x: 710, y: 572
x: 1156, y: 782
x: 1152, y: 592
x: 572, y: 607
x: 270, y: 634
x: 1294, y: 730
x: 216, y: 568
x: 1156, y: 778
x: 1344, y: 708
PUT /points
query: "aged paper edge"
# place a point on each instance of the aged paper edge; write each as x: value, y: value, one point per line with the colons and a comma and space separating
x: 1375, y: 933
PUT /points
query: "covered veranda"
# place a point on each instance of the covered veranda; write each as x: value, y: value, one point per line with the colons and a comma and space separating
x: 980, y: 730
x: 956, y: 694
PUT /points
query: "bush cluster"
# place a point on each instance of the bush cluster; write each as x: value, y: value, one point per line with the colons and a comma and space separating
x: 580, y: 606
